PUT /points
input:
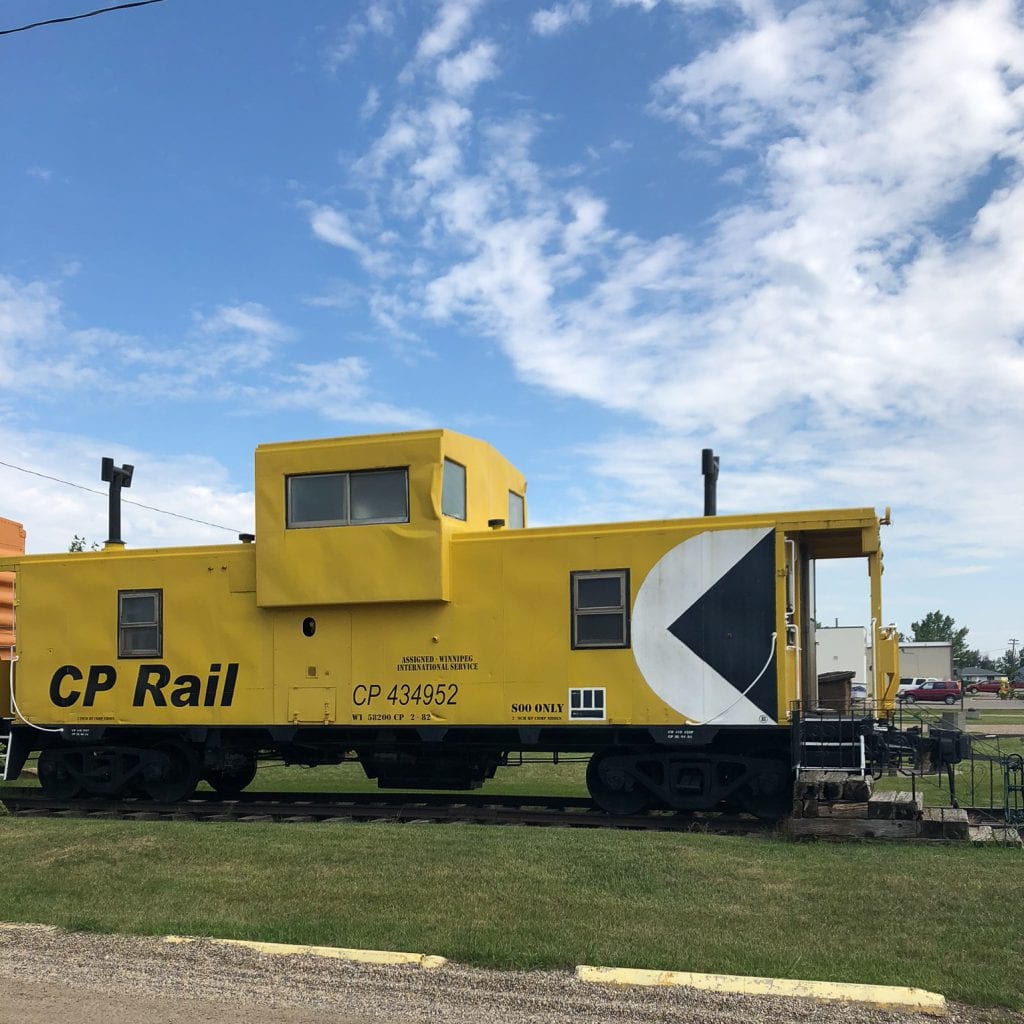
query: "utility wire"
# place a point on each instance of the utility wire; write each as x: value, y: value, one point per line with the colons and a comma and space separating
x: 78, y: 17
x: 127, y: 501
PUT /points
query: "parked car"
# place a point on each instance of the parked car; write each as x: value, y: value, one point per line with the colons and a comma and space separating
x: 983, y: 686
x: 945, y: 690
x: 911, y: 682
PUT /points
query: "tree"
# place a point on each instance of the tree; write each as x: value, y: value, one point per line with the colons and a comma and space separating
x: 78, y: 544
x: 936, y: 627
x: 975, y: 659
x: 1009, y: 663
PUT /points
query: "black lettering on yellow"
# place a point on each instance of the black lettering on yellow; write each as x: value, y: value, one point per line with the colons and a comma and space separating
x: 101, y: 677
x: 228, y: 694
x: 211, y: 685
x: 153, y: 687
x: 56, y: 697
x: 186, y: 692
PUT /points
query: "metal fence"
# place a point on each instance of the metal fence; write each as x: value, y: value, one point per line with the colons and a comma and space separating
x: 929, y: 747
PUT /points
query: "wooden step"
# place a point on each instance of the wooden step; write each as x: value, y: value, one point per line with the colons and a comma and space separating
x: 899, y: 806
x: 854, y: 828
x: 1001, y: 835
x: 945, y: 823
x: 833, y: 786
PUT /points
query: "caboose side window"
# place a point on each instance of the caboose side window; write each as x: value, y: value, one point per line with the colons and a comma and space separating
x: 140, y: 624
x: 453, y: 490
x: 381, y: 496
x: 347, y: 499
x: 516, y: 511
x: 600, y: 608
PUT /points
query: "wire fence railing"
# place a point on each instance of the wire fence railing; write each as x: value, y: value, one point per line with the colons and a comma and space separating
x: 943, y: 753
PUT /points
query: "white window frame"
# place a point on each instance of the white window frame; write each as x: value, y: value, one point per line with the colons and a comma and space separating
x: 585, y: 709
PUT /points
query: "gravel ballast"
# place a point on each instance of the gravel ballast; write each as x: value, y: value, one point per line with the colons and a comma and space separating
x: 50, y: 974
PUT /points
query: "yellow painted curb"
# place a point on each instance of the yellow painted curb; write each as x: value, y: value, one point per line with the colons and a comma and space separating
x: 363, y: 956
x: 886, y: 997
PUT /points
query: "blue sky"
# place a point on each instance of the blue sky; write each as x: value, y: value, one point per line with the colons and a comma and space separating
x: 600, y: 234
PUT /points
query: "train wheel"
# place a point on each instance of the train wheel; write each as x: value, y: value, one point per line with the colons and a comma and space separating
x: 177, y: 775
x: 613, y: 787
x: 229, y: 782
x: 56, y: 775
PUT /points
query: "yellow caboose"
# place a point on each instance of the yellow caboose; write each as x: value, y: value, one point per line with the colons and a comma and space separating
x: 394, y: 607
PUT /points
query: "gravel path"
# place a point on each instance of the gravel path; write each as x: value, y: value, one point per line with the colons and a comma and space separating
x: 48, y: 974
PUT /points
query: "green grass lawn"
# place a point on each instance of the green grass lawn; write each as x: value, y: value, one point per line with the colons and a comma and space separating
x: 933, y: 917
x: 979, y: 782
x: 538, y: 778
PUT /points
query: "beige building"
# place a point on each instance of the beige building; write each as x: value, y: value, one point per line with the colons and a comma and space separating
x: 846, y: 649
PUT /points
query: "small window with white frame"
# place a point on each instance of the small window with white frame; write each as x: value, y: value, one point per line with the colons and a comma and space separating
x: 516, y: 511
x: 587, y: 703
x: 355, y: 498
x: 140, y: 624
x: 600, y: 608
x: 453, y: 490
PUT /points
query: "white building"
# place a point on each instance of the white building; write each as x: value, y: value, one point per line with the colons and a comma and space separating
x: 842, y: 649
x: 928, y: 659
x: 847, y: 649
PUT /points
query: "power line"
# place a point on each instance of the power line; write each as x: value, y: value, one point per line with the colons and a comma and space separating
x: 127, y: 501
x: 79, y: 17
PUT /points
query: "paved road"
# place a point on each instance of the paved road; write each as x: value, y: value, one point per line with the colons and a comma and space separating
x: 982, y: 702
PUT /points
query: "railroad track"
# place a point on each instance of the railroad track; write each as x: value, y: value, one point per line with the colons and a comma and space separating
x: 562, y: 812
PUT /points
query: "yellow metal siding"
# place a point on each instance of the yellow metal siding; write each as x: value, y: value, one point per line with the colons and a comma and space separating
x: 206, y: 628
x: 373, y: 563
x: 322, y: 661
x: 438, y: 621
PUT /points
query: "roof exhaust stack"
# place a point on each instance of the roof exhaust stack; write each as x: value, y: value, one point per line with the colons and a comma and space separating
x: 709, y: 467
x: 117, y: 477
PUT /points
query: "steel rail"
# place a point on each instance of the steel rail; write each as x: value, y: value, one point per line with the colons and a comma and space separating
x: 363, y: 807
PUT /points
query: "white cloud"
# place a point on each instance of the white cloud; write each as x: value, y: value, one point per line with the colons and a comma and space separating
x: 378, y: 19
x: 552, y: 20
x: 233, y: 354
x: 236, y: 339
x: 462, y: 74
x: 452, y: 23
x: 780, y: 71
x: 28, y: 312
x: 53, y: 511
x: 371, y: 104
x: 337, y: 390
x: 248, y: 319
x: 38, y: 353
x: 426, y: 142
x: 836, y: 329
x: 332, y: 226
